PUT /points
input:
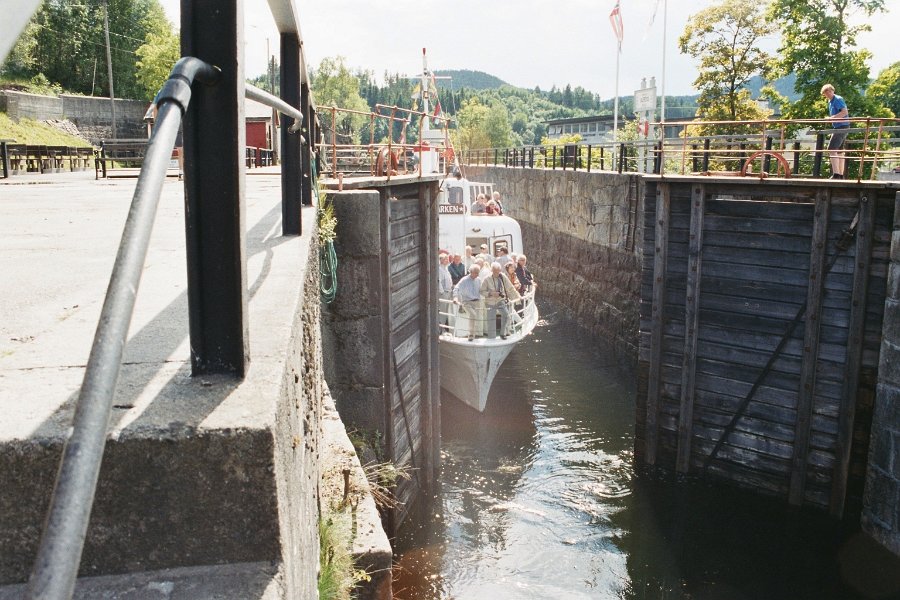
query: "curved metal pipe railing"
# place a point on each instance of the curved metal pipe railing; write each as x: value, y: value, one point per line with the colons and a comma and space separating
x: 56, y: 567
x: 263, y: 97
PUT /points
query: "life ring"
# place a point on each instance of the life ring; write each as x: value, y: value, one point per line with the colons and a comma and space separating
x: 785, y: 170
x: 383, y: 166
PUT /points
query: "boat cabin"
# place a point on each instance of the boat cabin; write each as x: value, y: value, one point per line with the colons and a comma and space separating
x: 459, y: 228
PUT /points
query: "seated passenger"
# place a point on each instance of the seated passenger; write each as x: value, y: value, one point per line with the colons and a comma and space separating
x: 496, y: 199
x: 479, y: 207
x: 492, y: 208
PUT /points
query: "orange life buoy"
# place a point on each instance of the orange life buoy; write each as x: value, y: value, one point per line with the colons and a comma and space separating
x: 383, y: 166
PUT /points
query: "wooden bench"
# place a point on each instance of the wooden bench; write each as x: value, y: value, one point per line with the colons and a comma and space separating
x: 127, y: 156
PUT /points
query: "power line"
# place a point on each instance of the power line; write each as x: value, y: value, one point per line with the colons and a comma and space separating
x: 83, y: 41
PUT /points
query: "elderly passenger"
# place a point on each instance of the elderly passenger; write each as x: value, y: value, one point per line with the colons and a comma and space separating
x: 467, y: 295
x: 498, y: 292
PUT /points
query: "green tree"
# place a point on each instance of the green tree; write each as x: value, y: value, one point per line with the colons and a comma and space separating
x: 725, y: 39
x: 161, y: 49
x: 817, y: 44
x: 471, y: 133
x: 334, y: 85
x: 65, y: 43
x: 885, y: 90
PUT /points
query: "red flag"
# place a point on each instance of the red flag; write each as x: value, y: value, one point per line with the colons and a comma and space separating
x: 437, y: 113
x: 615, y: 19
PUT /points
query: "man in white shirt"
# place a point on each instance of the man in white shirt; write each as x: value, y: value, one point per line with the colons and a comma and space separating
x: 467, y: 294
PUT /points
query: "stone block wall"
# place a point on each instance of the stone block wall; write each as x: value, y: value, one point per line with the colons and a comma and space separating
x: 583, y: 236
x: 352, y: 324
x: 90, y: 114
x: 881, y: 502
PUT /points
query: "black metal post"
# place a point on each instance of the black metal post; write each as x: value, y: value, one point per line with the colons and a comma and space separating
x: 291, y: 145
x: 796, y: 165
x: 621, y: 157
x: 743, y: 156
x: 602, y: 159
x: 589, y: 159
x: 695, y: 159
x: 214, y: 142
x: 767, y: 159
x: 817, y: 160
x: 658, y: 159
x: 4, y: 149
x: 495, y: 157
x: 706, y: 155
x: 306, y: 180
x: 554, y: 158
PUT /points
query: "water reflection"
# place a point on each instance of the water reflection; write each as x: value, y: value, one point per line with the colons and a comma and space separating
x: 540, y: 499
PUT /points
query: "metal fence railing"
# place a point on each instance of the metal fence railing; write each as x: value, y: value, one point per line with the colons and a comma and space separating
x: 786, y: 148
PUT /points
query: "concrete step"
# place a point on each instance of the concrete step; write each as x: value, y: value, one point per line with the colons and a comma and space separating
x: 238, y: 581
x: 197, y: 470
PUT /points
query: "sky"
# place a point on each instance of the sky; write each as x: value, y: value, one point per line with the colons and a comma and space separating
x: 526, y: 43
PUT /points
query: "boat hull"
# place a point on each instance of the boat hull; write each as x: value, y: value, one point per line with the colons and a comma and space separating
x: 468, y: 368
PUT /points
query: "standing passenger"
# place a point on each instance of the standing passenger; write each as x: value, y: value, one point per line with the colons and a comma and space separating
x: 456, y: 268
x: 526, y: 279
x: 498, y: 292
x: 840, y: 115
x: 467, y: 294
x: 445, y: 286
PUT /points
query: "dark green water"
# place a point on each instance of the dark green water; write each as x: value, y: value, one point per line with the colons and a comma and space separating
x: 539, y: 499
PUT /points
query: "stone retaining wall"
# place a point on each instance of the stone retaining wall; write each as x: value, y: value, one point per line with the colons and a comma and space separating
x: 583, y: 236
x: 881, y: 510
x: 91, y: 114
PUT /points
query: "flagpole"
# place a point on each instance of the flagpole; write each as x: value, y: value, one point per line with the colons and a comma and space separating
x: 662, y: 112
x: 616, y: 101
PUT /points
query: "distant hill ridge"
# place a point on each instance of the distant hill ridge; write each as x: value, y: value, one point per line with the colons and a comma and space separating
x: 473, y: 80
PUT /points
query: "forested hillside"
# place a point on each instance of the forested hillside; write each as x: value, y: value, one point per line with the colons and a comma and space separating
x: 526, y: 110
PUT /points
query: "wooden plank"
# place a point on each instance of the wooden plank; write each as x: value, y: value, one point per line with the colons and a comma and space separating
x: 854, y: 356
x: 657, y: 318
x: 691, y: 319
x: 818, y: 251
x: 390, y: 439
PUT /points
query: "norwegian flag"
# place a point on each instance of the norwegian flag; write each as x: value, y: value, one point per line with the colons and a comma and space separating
x: 615, y: 19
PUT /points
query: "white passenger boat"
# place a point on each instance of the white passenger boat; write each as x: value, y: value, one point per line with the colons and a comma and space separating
x: 468, y: 367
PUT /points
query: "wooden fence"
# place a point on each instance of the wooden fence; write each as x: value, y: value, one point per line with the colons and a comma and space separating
x: 761, y: 316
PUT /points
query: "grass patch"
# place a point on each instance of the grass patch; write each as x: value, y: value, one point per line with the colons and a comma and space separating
x: 36, y: 133
x: 337, y: 573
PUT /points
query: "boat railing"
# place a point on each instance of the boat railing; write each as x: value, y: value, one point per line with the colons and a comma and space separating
x: 462, y: 320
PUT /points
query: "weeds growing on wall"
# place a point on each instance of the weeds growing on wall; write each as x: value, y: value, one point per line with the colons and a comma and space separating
x: 337, y: 573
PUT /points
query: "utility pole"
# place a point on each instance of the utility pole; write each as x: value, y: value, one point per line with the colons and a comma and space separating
x: 109, y: 69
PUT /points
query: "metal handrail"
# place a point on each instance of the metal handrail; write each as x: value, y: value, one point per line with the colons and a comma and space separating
x: 62, y: 542
x: 263, y: 97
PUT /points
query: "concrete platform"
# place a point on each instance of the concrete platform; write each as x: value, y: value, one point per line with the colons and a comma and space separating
x: 198, y: 471
x: 260, y: 581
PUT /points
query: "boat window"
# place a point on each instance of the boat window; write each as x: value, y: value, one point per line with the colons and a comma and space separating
x: 503, y: 241
x: 456, y: 195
